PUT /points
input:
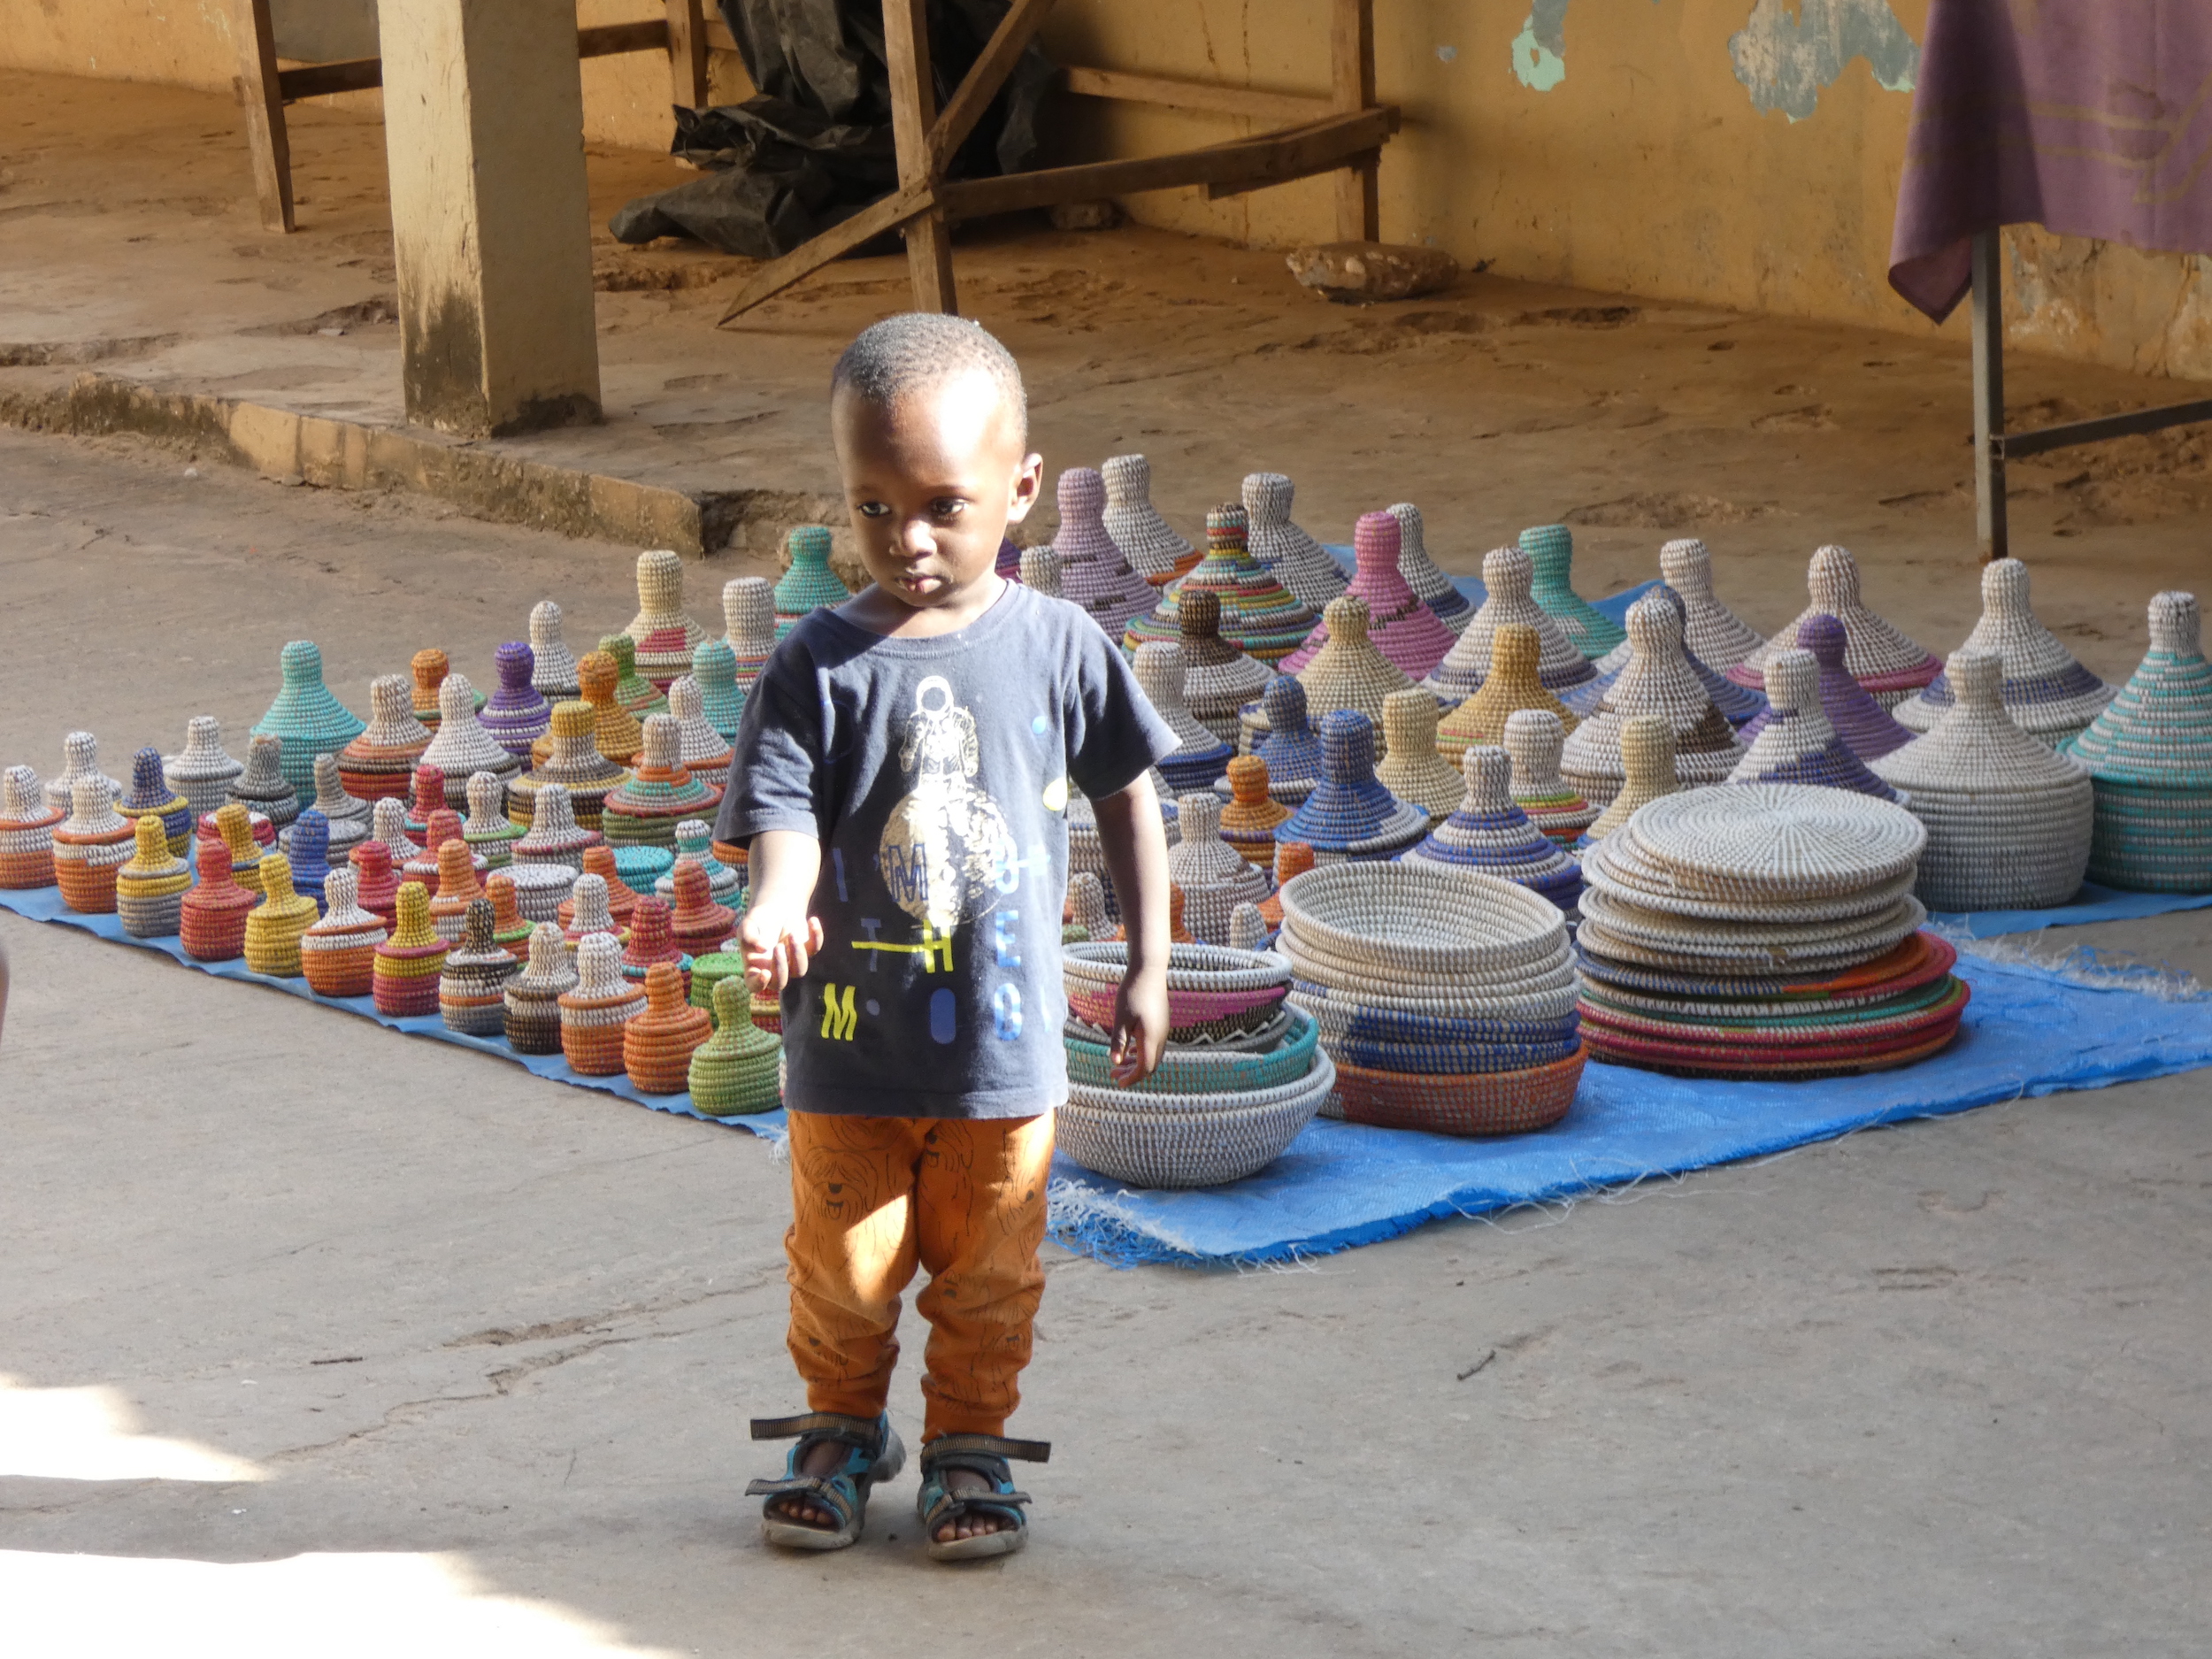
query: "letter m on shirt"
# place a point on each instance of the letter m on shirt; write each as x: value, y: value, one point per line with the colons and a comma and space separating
x: 838, y: 1018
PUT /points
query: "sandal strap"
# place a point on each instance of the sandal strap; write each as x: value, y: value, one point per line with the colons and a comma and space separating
x: 866, y: 1434
x: 983, y: 1446
x: 823, y: 1489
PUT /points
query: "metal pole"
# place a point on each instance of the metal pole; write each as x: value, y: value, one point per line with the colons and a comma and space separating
x: 1989, y: 394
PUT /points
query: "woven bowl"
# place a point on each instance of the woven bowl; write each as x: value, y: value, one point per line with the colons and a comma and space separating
x: 1402, y: 921
x: 1127, y: 1136
x: 1490, y: 1103
x: 1205, y: 1071
x: 1212, y: 992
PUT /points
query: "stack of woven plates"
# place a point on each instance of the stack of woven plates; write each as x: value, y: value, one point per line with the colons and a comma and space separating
x: 1446, y: 998
x: 1298, y: 562
x: 2047, y: 692
x: 2008, y: 821
x: 1402, y: 628
x: 1154, y: 551
x: 1509, y: 578
x: 1490, y: 833
x: 1768, y: 930
x: 1891, y: 667
x: 807, y: 585
x: 1241, y: 1076
x: 1551, y: 551
x: 1430, y: 584
x: 2150, y: 754
x: 552, y: 665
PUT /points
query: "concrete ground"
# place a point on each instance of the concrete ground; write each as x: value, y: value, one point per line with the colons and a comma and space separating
x: 1937, y: 1388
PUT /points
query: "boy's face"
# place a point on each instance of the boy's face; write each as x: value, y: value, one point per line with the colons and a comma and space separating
x: 932, y: 483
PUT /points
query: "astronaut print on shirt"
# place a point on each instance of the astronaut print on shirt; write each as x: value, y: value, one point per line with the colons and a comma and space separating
x: 946, y: 851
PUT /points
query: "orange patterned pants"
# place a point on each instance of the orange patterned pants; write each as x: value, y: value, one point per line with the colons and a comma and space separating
x: 872, y: 1196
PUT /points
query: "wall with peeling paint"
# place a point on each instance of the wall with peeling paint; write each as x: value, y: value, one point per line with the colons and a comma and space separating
x: 1741, y: 153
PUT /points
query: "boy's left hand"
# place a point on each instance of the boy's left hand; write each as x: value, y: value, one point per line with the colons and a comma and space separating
x: 1140, y: 1025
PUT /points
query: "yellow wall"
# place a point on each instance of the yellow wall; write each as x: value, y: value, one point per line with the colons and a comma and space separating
x: 1636, y: 159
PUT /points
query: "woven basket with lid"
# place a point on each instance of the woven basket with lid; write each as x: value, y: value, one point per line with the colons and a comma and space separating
x: 1349, y: 815
x: 1551, y: 551
x: 734, y: 1072
x: 574, y: 762
x: 552, y: 665
x: 1219, y: 679
x: 1798, y: 745
x: 1891, y: 667
x: 748, y: 622
x: 1214, y: 876
x: 1738, y: 704
x: 1398, y: 625
x: 1248, y: 821
x: 1865, y: 727
x: 515, y: 714
x: 1412, y: 767
x: 338, y: 953
x: 531, y: 1017
x: 1508, y: 579
x: 472, y: 985
x: 1297, y: 561
x: 1093, y: 572
x: 1259, y: 616
x: 1714, y: 634
x: 807, y: 584
x: 1202, y: 756
x: 1430, y: 584
x: 666, y: 637
x: 1150, y: 544
x: 1489, y: 833
x: 382, y: 760
x: 462, y: 745
x: 263, y: 788
x: 26, y: 831
x: 1511, y: 685
x: 90, y: 846
x: 2048, y: 693
x: 1348, y: 672
x: 1534, y: 740
x: 150, y: 886
x: 1658, y: 680
x: 306, y: 716
x: 150, y: 794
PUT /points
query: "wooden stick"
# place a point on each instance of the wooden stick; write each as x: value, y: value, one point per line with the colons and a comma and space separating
x: 1352, y: 87
x: 841, y: 239
x: 360, y: 74
x: 687, y: 53
x: 261, y: 96
x: 1194, y: 94
x: 983, y: 81
x: 913, y: 108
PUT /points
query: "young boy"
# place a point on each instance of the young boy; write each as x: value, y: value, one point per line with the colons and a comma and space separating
x: 902, y: 773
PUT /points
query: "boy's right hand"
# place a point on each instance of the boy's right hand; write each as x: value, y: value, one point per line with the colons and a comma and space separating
x: 777, y: 942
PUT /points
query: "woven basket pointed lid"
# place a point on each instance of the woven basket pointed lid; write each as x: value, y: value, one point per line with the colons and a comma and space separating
x: 573, y: 757
x: 1222, y: 678
x: 2158, y: 732
x: 393, y: 729
x: 1799, y: 745
x: 1551, y: 551
x: 281, y: 904
x: 1875, y: 654
x: 1533, y: 738
x: 216, y: 888
x: 635, y: 693
x: 1769, y: 842
x: 615, y: 729
x: 1348, y: 672
x: 203, y: 759
x: 306, y: 714
x: 150, y: 862
x: 600, y: 982
x: 1259, y: 616
x: 150, y: 791
x: 1291, y: 749
x: 1161, y: 674
x: 263, y: 786
x: 1737, y: 704
x: 1657, y: 680
x: 92, y: 815
x: 1508, y: 578
x: 1041, y: 569
x: 2046, y: 690
x: 695, y: 841
x: 344, y: 918
x: 749, y: 618
x: 307, y: 844
x: 1399, y: 626
x: 488, y: 818
x: 700, y: 747
x: 428, y: 669
x: 517, y: 712
x: 1647, y: 771
x: 721, y: 700
x: 736, y: 1037
x: 23, y: 806
x: 1348, y: 809
x: 1298, y: 562
x: 1252, y: 813
x: 1864, y: 725
x: 80, y: 759
x: 810, y: 583
x: 330, y: 799
x: 664, y: 635
x: 476, y: 952
x: 1489, y: 831
x: 549, y: 969
x: 1145, y: 540
x: 1977, y: 749
x: 1714, y: 634
x: 1510, y: 686
x: 1430, y: 584
x: 552, y: 665
x: 1410, y: 767
x: 461, y: 745
x: 1093, y: 572
x: 1200, y: 861
x: 554, y: 832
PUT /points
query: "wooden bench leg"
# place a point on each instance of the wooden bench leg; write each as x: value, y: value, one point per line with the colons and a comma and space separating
x: 913, y: 108
x: 263, y: 102
x: 1352, y: 87
x: 688, y: 52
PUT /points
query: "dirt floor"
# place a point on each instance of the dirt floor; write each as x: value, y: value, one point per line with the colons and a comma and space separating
x: 1939, y: 1388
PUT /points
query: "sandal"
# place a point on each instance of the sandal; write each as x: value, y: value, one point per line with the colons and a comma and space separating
x: 984, y: 1454
x: 872, y: 1453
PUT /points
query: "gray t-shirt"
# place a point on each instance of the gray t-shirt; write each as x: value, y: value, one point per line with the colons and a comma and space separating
x: 935, y: 773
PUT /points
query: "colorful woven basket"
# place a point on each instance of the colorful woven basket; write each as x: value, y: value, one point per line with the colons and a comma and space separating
x: 1647, y: 773
x: 807, y: 584
x: 338, y: 953
x: 646, y: 807
x: 1551, y: 551
x: 1093, y: 572
x: 663, y: 635
x: 428, y: 669
x: 652, y: 942
x: 1534, y: 740
x: 408, y: 962
x: 1864, y: 725
x: 531, y: 1019
x: 1249, y: 819
x: 376, y: 882
x: 637, y: 695
x: 615, y: 729
x: 458, y: 888
x: 1658, y: 680
x: 90, y: 846
x: 555, y: 837
x: 1294, y: 558
x: 275, y: 926
x: 1219, y: 679
x: 1399, y: 624
x: 552, y: 665
x: 2150, y: 754
x: 1799, y: 745
x: 1347, y: 672
x: 1738, y: 704
x: 306, y: 716
x: 541, y: 889
x: 1412, y: 767
x: 307, y: 844
x: 26, y: 831
x: 1891, y: 667
x: 1202, y: 757
x: 1145, y: 540
x: 619, y: 897
x: 517, y: 714
x: 151, y: 796
x: 381, y: 761
x: 461, y: 746
x: 572, y: 761
x: 1217, y: 997
x: 149, y: 887
x: 657, y: 1044
x: 700, y: 747
x: 2047, y: 692
x: 348, y: 816
x: 1349, y: 815
x: 489, y: 831
x: 1259, y: 616
x: 211, y: 926
x: 1490, y: 833
x: 263, y: 788
x: 721, y: 699
x: 472, y: 987
x: 241, y: 831
x: 510, y: 929
x: 595, y: 1012
x: 734, y: 1072
x: 1511, y: 686
x: 1508, y: 578
x: 1186, y: 1140
x: 2008, y: 821
x: 698, y: 925
x: 695, y: 841
x: 201, y: 772
x: 748, y: 620
x: 1290, y: 747
x: 1430, y: 584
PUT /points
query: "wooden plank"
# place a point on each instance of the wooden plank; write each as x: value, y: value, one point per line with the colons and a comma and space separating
x: 686, y: 54
x: 913, y: 109
x: 261, y: 96
x: 833, y: 243
x: 983, y: 81
x: 1266, y: 158
x: 611, y: 40
x: 322, y: 80
x: 2101, y: 427
x: 1194, y: 94
x: 1352, y: 87
x: 718, y: 33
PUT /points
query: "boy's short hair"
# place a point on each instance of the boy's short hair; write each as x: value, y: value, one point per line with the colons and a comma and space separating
x: 902, y: 355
